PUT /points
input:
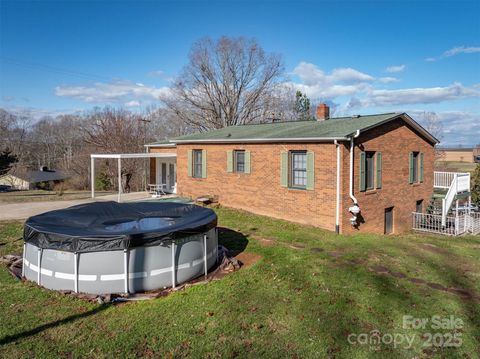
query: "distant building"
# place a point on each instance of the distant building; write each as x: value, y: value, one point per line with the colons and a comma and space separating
x: 32, y: 179
x: 458, y: 154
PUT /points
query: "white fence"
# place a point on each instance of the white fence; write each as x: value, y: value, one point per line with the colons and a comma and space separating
x: 454, y: 225
x: 444, y: 179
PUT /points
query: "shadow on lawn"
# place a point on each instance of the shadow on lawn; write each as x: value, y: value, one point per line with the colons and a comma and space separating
x: 234, y: 241
x: 12, y: 338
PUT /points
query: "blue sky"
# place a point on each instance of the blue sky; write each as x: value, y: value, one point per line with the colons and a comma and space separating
x: 361, y: 57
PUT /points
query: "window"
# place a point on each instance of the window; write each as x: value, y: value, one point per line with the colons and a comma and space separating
x: 298, y: 169
x: 419, y: 206
x: 415, y: 167
x: 197, y: 163
x: 239, y: 159
x: 369, y: 170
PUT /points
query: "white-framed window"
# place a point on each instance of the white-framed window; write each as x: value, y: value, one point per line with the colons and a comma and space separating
x: 298, y: 169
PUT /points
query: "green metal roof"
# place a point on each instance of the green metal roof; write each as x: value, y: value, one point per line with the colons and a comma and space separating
x: 333, y: 128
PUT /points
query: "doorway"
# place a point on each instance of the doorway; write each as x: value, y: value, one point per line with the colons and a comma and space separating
x: 166, y: 174
x: 388, y: 220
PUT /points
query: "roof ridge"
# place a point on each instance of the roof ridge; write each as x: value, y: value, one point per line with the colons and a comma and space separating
x: 307, y: 121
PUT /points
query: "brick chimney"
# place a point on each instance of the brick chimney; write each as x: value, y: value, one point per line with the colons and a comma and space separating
x: 323, y: 112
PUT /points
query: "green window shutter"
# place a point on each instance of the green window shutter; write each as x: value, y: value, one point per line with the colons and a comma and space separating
x: 421, y: 167
x: 189, y: 163
x: 284, y: 169
x: 363, y: 185
x: 310, y: 170
x: 247, y: 162
x: 204, y: 163
x: 229, y: 161
x: 379, y: 169
x: 410, y: 167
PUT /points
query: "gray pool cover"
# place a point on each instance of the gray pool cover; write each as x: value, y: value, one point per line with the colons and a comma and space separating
x: 110, y: 226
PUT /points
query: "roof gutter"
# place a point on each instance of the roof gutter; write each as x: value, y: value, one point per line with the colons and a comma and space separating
x: 266, y: 140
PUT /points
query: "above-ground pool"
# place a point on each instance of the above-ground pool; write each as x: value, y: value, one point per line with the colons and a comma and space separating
x: 109, y: 247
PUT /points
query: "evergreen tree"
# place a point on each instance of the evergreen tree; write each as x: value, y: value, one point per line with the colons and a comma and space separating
x: 476, y: 185
x: 302, y: 106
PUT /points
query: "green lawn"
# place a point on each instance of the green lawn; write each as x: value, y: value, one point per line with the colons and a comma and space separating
x: 453, y: 166
x: 307, y: 294
x: 42, y: 195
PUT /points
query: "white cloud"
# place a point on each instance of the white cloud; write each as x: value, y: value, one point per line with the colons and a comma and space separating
x: 398, y: 68
x: 132, y: 103
x: 114, y: 92
x: 361, y: 87
x: 340, y: 82
x: 455, y: 51
x: 37, y: 113
x: 425, y: 95
x: 388, y: 80
x: 461, y: 50
x: 459, y: 127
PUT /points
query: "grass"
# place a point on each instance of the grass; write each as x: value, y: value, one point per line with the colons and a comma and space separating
x: 42, y: 195
x: 454, y: 166
x: 310, y: 290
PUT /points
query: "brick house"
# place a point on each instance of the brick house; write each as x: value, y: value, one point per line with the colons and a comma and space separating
x: 347, y: 174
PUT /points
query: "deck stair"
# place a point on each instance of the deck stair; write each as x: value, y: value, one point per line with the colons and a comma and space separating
x: 449, y: 187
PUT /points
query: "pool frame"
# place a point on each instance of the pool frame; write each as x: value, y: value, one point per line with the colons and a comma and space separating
x: 132, y: 270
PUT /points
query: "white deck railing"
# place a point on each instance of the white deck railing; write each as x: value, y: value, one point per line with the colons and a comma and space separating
x: 445, y: 179
x: 454, y: 225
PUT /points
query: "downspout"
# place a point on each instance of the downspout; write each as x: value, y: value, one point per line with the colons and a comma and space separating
x: 355, y: 209
x: 337, y: 209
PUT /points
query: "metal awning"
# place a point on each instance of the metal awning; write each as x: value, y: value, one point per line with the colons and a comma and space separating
x: 119, y: 157
x: 134, y: 155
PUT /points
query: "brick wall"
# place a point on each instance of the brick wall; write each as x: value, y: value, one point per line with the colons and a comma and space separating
x: 260, y: 191
x: 395, y: 140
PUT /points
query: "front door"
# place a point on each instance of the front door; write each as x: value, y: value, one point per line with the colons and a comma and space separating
x: 171, y: 177
x: 166, y: 174
x: 388, y: 220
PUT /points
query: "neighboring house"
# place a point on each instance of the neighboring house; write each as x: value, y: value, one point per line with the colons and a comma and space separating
x: 32, y: 179
x: 458, y: 154
x: 310, y: 172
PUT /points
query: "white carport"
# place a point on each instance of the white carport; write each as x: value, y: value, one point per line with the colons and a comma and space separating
x: 119, y: 157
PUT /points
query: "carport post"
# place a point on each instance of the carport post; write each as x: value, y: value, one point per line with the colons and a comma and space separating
x: 92, y: 175
x: 119, y: 179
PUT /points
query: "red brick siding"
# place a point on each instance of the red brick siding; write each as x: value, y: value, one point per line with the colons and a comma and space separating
x: 395, y: 140
x: 260, y: 191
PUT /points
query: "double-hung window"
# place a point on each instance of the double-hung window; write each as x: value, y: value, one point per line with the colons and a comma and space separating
x: 239, y: 161
x: 416, y: 167
x: 197, y: 163
x: 298, y: 169
x: 369, y: 170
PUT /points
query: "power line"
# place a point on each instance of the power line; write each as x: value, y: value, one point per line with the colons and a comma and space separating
x: 54, y: 69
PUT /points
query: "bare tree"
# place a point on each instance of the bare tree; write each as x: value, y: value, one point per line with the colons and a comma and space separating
x: 433, y: 125
x: 226, y: 82
x: 117, y: 131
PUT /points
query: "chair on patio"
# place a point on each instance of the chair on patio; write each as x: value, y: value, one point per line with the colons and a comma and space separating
x: 157, y: 190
